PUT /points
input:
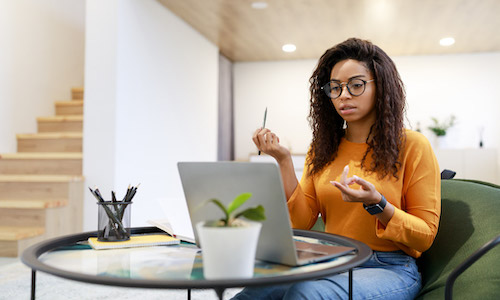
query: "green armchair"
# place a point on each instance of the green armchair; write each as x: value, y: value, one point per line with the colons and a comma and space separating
x: 463, y: 260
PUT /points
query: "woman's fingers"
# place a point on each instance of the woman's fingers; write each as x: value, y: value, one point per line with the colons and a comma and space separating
x: 260, y: 137
x: 269, y: 138
x: 367, y: 186
x: 343, y: 178
x: 365, y: 194
x: 255, y: 138
x: 265, y: 139
x: 275, y: 139
x: 345, y: 191
x: 339, y: 185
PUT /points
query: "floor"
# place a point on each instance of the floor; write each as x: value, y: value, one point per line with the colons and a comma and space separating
x: 7, y: 260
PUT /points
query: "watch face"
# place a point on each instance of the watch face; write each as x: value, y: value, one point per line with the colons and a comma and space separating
x: 374, y: 209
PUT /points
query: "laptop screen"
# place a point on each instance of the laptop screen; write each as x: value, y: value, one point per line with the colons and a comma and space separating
x: 226, y: 180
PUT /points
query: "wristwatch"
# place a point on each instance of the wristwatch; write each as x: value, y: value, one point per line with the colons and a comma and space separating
x: 376, y: 208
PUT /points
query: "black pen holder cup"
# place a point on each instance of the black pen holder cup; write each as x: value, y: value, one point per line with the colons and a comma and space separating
x: 113, y: 224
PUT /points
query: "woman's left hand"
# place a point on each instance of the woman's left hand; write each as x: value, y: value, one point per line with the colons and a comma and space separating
x: 367, y: 194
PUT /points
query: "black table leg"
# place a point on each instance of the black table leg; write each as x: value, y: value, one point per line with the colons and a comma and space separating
x: 350, y: 284
x: 189, y: 294
x: 219, y: 292
x: 33, y: 284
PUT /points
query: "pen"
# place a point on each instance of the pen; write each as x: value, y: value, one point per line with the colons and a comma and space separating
x: 134, y: 190
x: 126, y: 194
x: 96, y: 191
x: 264, y: 124
x: 127, y: 199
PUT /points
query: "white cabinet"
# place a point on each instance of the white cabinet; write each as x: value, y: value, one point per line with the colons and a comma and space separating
x: 479, y: 164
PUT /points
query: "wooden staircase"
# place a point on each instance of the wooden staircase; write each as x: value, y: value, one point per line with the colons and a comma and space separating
x: 41, y: 186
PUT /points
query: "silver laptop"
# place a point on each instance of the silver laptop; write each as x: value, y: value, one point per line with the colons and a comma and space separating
x: 226, y: 180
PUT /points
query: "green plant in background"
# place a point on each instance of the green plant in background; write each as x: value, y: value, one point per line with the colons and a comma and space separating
x: 231, y: 216
x: 439, y: 128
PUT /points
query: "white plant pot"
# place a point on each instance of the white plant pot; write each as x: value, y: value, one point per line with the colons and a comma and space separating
x: 228, y: 252
x: 440, y: 142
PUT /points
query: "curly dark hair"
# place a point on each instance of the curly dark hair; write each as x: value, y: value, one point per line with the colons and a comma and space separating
x: 327, y: 125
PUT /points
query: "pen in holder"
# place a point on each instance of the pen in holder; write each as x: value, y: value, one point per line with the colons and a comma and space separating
x: 113, y: 221
x: 114, y: 216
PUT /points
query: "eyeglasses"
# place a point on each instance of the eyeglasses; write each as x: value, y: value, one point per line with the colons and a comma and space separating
x: 355, y: 86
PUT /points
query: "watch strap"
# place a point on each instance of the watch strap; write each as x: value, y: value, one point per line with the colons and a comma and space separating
x: 376, y: 208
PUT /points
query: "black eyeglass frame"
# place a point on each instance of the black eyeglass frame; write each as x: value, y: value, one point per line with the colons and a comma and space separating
x: 326, y: 86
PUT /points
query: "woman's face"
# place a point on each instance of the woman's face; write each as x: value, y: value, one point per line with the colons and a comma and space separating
x: 354, y: 109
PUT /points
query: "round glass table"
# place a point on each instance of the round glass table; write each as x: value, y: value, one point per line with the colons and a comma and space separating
x: 175, y: 266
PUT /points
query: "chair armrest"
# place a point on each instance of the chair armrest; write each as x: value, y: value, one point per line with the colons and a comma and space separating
x: 466, y: 264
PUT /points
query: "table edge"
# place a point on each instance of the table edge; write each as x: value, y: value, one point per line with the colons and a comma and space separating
x: 30, y: 258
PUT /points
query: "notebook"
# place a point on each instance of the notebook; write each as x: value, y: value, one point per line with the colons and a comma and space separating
x: 145, y: 240
x: 226, y: 180
x: 164, y: 224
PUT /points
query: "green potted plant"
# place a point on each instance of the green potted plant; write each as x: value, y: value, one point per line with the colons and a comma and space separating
x: 230, y: 243
x: 440, y: 128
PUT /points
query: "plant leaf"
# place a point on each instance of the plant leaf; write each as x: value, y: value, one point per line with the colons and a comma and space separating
x: 237, y: 202
x: 254, y: 213
x: 219, y: 204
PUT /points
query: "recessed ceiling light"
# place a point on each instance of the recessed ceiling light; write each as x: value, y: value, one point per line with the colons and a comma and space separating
x: 447, y: 41
x: 259, y: 5
x: 289, y: 47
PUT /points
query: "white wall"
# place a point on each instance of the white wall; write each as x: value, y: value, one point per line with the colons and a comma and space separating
x: 151, y: 101
x: 282, y: 87
x: 463, y: 85
x: 100, y: 103
x: 41, y: 58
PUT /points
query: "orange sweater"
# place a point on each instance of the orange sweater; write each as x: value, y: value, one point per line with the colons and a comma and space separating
x: 416, y: 197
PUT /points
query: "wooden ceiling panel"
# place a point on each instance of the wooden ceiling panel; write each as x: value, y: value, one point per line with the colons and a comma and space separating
x: 400, y: 27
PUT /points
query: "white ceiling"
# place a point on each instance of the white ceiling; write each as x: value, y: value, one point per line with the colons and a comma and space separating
x: 400, y: 27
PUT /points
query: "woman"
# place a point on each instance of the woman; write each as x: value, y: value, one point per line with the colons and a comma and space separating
x: 368, y: 177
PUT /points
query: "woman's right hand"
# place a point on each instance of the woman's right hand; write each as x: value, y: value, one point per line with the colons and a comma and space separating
x: 269, y: 143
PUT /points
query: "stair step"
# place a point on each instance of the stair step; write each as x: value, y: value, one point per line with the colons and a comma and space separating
x: 77, y: 93
x: 40, y: 187
x: 32, y: 204
x: 50, y: 142
x: 63, y: 163
x: 73, y: 107
x: 58, y: 221
x: 22, y: 217
x: 14, y: 240
x: 39, y: 178
x: 60, y: 124
x: 11, y: 233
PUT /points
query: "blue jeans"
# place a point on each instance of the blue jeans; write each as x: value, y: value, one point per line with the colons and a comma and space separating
x: 386, y: 275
